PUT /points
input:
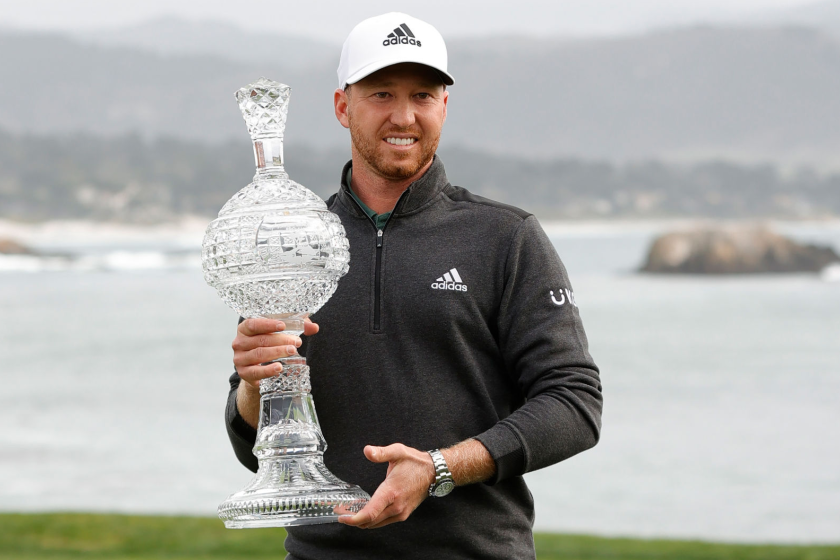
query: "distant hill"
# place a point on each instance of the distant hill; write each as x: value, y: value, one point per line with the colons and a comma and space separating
x: 173, y: 36
x: 55, y: 85
x: 132, y: 180
x: 741, y: 94
x: 824, y: 14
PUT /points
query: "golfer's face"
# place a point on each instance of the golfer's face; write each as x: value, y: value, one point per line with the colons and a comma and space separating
x: 395, y: 117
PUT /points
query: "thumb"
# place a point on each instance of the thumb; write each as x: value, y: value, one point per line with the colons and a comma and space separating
x: 377, y: 454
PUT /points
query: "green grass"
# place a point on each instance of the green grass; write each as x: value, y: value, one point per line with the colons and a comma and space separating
x: 62, y: 536
x: 574, y: 547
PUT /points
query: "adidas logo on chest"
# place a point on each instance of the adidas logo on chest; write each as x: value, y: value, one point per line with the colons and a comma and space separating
x: 450, y: 280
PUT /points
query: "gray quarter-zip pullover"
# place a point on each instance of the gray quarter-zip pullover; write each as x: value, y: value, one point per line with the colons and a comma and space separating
x: 456, y: 320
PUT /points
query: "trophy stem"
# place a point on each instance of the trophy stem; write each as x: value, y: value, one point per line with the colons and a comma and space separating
x: 268, y: 155
x: 294, y: 323
x: 292, y: 485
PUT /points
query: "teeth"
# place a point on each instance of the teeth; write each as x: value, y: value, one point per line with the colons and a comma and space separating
x: 401, y: 141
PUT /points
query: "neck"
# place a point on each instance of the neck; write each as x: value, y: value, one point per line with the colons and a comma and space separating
x: 379, y: 193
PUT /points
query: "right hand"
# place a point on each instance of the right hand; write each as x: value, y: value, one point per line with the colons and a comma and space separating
x: 261, y: 340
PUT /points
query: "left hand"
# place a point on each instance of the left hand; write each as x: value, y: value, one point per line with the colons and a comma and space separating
x: 406, y: 485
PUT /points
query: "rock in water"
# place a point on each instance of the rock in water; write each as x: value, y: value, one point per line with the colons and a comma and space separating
x: 12, y: 247
x: 734, y: 250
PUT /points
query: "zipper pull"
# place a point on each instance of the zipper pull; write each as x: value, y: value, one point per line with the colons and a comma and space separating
x: 379, y: 238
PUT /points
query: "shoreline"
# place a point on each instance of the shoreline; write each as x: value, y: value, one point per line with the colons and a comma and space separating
x: 189, y: 231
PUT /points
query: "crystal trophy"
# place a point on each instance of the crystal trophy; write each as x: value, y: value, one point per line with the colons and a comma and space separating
x: 275, y: 251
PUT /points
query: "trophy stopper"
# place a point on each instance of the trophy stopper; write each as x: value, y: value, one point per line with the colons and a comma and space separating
x: 265, y: 106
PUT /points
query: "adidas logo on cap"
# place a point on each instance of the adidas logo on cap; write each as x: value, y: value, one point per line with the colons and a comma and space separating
x: 450, y: 281
x: 402, y: 35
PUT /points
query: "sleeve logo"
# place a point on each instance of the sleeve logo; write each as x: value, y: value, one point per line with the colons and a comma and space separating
x: 569, y: 296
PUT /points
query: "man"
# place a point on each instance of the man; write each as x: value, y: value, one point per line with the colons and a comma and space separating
x: 455, y: 330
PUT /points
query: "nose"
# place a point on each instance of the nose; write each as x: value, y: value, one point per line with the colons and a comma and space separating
x: 403, y: 114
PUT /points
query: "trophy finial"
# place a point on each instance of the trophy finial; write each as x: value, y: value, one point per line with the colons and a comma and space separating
x: 264, y: 105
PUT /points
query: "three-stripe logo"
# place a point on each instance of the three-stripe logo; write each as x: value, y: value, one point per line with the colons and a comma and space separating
x: 402, y: 35
x: 450, y: 281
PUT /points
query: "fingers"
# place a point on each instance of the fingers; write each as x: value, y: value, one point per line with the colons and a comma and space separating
x: 254, y: 374
x: 255, y: 365
x: 386, y: 454
x: 258, y: 325
x: 262, y: 355
x: 392, y: 514
x: 243, y: 343
x: 310, y: 328
x: 371, y: 513
x: 384, y: 508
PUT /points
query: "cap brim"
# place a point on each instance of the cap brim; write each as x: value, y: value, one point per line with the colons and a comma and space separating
x: 380, y: 64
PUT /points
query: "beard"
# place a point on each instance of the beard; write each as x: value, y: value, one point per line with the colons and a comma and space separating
x: 394, y: 166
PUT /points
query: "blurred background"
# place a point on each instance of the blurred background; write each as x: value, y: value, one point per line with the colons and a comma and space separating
x: 614, y: 122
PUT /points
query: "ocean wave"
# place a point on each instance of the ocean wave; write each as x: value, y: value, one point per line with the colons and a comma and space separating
x: 112, y: 261
x: 831, y: 273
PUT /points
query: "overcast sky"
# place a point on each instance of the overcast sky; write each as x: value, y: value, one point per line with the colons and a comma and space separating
x: 331, y: 20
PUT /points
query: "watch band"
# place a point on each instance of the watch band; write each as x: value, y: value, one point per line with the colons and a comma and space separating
x: 443, y: 483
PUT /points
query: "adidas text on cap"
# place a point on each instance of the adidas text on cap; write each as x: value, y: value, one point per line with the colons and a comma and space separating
x: 387, y: 40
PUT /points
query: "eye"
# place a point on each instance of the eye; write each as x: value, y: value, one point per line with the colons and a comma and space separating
x: 381, y: 94
x: 424, y: 95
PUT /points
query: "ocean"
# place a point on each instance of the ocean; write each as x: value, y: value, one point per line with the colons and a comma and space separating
x: 721, y: 417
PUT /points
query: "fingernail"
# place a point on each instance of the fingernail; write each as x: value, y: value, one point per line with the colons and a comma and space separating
x: 281, y: 326
x: 291, y: 350
x: 278, y: 368
x: 298, y: 341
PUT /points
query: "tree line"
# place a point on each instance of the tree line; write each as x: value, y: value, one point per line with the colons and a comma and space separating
x: 128, y: 178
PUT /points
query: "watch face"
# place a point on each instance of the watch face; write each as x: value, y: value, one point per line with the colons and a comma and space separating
x: 444, y: 488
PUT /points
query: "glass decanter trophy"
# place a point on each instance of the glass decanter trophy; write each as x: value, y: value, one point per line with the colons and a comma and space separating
x: 275, y: 251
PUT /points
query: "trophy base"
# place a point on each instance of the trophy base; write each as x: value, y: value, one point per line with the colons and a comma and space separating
x: 292, y: 491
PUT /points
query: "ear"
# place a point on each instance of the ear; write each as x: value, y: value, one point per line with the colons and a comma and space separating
x: 341, y: 107
x: 445, y: 101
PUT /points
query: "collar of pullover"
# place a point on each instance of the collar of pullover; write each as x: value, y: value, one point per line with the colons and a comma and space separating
x: 415, y: 196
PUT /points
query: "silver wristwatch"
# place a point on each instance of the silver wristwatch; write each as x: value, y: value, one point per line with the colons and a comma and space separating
x: 443, y: 483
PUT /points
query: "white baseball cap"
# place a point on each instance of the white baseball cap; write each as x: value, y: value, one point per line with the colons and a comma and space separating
x: 391, y: 39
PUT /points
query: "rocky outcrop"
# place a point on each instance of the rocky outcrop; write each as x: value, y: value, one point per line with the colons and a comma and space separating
x: 734, y: 250
x: 12, y: 247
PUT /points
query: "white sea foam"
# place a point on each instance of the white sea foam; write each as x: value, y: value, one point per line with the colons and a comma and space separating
x: 115, y: 261
x: 83, y: 246
x: 31, y: 263
x: 831, y: 273
x: 186, y: 233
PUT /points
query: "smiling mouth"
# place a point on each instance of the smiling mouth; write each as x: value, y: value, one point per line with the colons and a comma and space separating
x: 401, y: 141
